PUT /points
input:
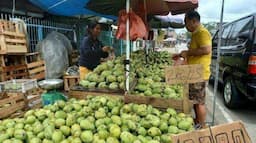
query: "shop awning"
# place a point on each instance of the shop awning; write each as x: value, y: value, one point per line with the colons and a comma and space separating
x: 67, y: 7
x: 110, y: 8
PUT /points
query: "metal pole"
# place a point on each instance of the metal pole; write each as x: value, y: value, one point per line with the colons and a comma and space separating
x: 127, y: 63
x: 13, y: 8
x: 217, y: 64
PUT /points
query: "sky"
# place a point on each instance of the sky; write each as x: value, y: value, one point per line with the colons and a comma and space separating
x: 210, y: 10
x: 233, y: 9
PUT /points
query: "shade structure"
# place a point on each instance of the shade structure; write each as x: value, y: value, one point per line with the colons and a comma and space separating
x: 151, y: 7
x: 110, y: 8
x: 67, y: 7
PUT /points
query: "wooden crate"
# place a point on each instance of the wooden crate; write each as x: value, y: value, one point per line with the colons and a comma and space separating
x: 12, y: 41
x: 33, y: 98
x: 23, y: 84
x: 13, y: 72
x: 9, y: 60
x: 15, y: 102
x: 32, y: 57
x: 97, y: 90
x: 185, y: 75
x: 183, y: 105
x: 70, y: 81
x: 36, y: 70
x: 83, y: 94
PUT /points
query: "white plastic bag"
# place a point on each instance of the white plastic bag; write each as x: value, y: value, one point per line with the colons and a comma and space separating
x: 55, y: 49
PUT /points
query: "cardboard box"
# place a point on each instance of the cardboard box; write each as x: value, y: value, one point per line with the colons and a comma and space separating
x: 225, y: 133
x: 184, y: 74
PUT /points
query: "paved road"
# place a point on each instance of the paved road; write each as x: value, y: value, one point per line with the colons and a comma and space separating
x: 246, y: 114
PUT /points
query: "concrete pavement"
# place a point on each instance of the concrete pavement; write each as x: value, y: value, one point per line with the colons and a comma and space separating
x: 224, y: 115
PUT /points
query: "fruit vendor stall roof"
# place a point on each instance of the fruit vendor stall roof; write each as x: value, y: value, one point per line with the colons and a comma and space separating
x: 21, y: 6
x: 67, y: 7
x: 110, y: 8
x: 151, y: 7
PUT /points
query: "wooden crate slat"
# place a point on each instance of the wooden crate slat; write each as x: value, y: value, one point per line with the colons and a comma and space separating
x: 2, y: 45
x: 156, y: 102
x: 10, y: 110
x: 13, y: 34
x: 21, y: 41
x: 35, y: 64
x: 34, y: 98
x: 183, y: 105
x: 17, y: 114
x: 16, y: 75
x: 70, y: 81
x: 84, y: 94
x: 14, y: 72
x: 32, y: 57
x: 8, y: 26
x: 38, y: 76
x: 16, y: 101
x: 73, y: 81
x: 14, y: 68
x: 37, y: 70
x: 2, y: 61
x: 16, y: 48
x: 12, y: 97
x: 71, y: 76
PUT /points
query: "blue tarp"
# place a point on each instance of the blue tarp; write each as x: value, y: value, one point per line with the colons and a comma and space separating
x: 67, y: 7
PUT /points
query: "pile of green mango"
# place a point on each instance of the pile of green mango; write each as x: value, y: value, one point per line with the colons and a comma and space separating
x: 98, y: 119
x: 108, y: 75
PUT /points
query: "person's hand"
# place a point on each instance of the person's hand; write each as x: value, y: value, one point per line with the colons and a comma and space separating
x: 184, y: 54
x: 107, y: 49
x: 175, y: 56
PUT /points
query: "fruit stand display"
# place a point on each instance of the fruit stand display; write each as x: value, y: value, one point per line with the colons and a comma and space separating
x: 96, y: 119
x: 149, y: 86
x: 152, y: 88
x: 110, y: 75
x: 107, y: 78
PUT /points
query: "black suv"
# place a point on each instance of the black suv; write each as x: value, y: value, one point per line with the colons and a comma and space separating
x: 237, y: 60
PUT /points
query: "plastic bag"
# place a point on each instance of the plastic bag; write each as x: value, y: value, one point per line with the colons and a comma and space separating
x: 55, y: 50
x: 73, y: 70
x: 137, y: 26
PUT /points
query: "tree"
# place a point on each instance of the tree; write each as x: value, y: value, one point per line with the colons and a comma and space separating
x: 211, y: 27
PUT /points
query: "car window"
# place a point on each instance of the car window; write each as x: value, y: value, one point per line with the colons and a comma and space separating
x: 238, y: 27
x: 225, y: 34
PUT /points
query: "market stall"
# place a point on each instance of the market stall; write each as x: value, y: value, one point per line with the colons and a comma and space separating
x: 144, y: 102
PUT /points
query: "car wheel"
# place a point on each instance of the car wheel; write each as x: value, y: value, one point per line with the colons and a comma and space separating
x: 230, y: 94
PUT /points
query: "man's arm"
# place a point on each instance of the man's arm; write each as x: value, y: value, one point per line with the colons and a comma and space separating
x: 204, y: 50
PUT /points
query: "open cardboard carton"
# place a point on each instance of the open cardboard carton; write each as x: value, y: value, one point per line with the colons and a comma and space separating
x: 225, y: 133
